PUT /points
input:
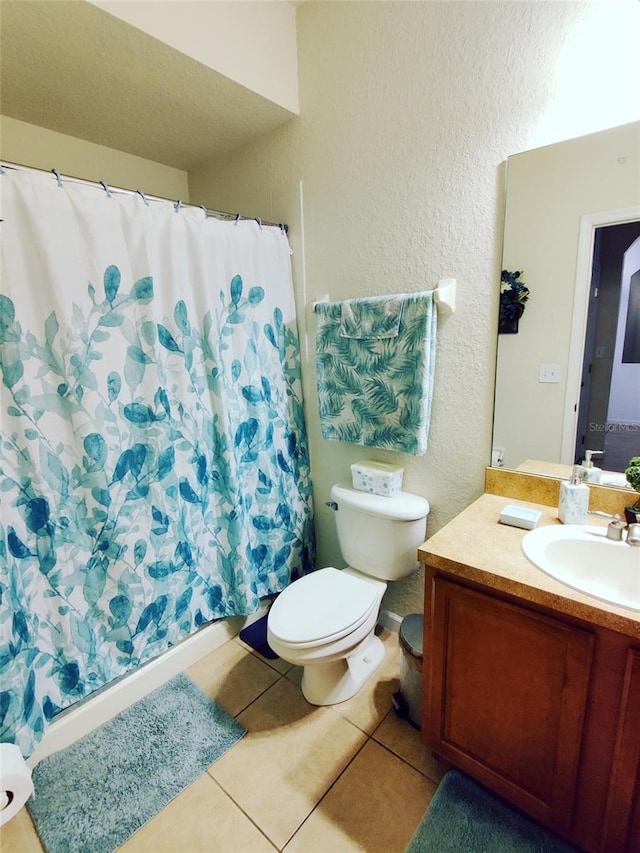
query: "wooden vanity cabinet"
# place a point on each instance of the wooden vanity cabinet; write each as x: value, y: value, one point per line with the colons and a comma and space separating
x: 539, y: 708
x: 622, y: 825
x: 508, y: 697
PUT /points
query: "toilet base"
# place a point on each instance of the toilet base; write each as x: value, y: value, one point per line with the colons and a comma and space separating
x: 337, y: 681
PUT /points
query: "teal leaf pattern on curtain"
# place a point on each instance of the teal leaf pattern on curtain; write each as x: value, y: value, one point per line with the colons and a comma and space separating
x: 154, y: 476
x: 376, y: 362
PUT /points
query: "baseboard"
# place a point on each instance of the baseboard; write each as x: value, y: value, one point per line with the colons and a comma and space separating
x: 390, y: 621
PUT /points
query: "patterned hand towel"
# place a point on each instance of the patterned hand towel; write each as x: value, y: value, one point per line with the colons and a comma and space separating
x: 375, y: 360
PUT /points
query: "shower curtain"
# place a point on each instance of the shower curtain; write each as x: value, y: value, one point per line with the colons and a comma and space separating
x: 154, y: 472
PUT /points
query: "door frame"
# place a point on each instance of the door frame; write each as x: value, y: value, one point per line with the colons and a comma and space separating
x: 588, y: 224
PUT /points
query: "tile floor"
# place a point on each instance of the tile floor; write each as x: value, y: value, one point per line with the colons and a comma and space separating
x: 351, y: 777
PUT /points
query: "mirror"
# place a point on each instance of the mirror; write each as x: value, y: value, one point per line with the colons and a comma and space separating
x: 558, y: 199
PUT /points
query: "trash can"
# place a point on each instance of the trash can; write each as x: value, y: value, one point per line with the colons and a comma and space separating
x: 408, y: 703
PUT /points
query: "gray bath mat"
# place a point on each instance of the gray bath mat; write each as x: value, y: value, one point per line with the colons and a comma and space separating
x: 90, y: 797
x: 464, y: 817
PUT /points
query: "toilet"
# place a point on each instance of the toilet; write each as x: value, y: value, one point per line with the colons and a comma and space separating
x: 325, y: 621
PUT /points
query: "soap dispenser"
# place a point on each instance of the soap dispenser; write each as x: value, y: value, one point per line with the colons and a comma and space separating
x: 589, y: 473
x: 574, y: 499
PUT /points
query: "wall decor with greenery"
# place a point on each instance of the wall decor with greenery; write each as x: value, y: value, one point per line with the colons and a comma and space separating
x: 513, y: 295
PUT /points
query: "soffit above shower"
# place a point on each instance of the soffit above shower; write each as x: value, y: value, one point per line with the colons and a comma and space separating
x: 70, y: 67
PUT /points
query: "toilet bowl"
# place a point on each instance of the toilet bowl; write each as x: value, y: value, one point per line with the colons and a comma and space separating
x: 325, y: 621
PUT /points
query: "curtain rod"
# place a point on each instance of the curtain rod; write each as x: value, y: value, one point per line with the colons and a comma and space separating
x: 215, y: 214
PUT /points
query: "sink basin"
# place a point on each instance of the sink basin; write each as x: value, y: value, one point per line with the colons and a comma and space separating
x: 583, y: 558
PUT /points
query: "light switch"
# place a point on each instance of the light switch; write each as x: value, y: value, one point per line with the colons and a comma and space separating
x: 549, y: 373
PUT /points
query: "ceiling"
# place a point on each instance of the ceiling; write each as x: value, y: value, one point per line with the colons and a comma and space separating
x: 71, y: 67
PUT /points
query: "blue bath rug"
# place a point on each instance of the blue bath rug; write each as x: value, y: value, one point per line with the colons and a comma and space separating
x: 465, y: 818
x: 255, y: 635
x: 93, y: 795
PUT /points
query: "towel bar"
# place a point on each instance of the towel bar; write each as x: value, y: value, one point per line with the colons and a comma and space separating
x: 444, y: 295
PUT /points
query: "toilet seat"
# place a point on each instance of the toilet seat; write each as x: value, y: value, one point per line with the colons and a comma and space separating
x: 322, y: 607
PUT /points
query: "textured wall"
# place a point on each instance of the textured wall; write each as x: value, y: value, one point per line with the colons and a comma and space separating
x: 41, y: 148
x: 408, y: 112
x: 252, y: 43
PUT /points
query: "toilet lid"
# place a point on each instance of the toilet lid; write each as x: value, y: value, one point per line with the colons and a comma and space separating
x: 326, y: 604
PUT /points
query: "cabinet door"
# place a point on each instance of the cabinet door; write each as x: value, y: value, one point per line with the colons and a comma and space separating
x: 622, y: 824
x: 508, y: 696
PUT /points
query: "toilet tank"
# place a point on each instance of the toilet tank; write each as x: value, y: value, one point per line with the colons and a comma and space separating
x: 380, y: 536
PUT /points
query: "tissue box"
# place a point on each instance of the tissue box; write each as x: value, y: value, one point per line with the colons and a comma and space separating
x: 377, y: 478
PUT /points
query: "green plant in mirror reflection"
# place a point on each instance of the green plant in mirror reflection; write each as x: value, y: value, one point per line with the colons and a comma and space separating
x: 633, y: 478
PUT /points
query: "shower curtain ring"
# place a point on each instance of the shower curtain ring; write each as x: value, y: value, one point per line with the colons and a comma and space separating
x: 237, y: 219
x: 58, y: 178
x: 105, y: 186
x: 259, y: 221
x: 178, y: 205
x: 143, y: 197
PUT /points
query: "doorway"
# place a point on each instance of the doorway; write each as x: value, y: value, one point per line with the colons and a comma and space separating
x: 608, y: 419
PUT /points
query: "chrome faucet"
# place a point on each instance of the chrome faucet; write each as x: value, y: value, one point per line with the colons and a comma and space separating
x: 616, y: 527
x: 633, y: 534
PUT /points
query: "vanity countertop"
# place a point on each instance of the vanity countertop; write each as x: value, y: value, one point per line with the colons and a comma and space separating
x: 477, y: 547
